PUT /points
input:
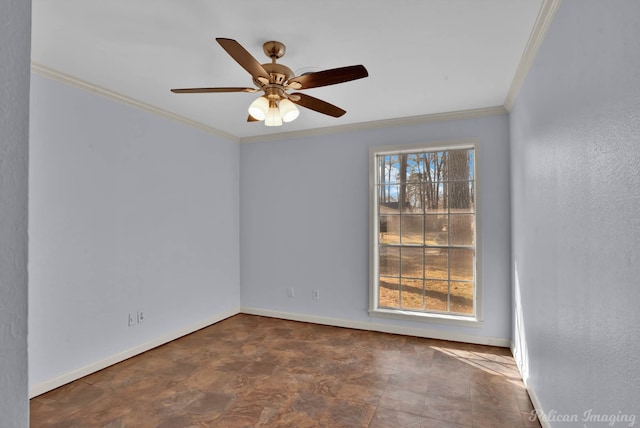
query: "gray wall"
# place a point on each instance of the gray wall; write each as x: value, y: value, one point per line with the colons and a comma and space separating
x: 128, y: 211
x: 15, y: 48
x: 575, y: 162
x: 305, y: 222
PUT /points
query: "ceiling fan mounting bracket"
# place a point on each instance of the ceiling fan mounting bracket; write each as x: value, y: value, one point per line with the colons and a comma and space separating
x: 274, y: 49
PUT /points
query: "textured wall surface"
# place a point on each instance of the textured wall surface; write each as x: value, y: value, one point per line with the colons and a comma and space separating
x: 575, y: 134
x: 305, y: 221
x: 15, y: 36
x: 128, y: 211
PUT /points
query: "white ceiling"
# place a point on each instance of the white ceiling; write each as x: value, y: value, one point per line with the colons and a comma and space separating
x: 423, y: 56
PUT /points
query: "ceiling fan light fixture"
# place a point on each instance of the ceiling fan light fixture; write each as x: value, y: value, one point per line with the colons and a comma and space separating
x: 259, y: 108
x: 273, y: 115
x: 288, y: 110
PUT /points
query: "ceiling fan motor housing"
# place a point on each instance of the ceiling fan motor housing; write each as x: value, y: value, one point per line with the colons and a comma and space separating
x: 278, y: 73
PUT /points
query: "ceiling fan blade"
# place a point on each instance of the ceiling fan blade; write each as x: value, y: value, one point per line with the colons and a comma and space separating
x: 205, y: 90
x: 313, y: 103
x: 244, y: 58
x: 252, y: 119
x: 329, y: 77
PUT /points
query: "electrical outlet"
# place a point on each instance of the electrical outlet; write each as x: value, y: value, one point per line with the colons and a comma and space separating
x: 316, y: 294
x: 290, y: 291
x: 140, y: 317
x: 133, y: 319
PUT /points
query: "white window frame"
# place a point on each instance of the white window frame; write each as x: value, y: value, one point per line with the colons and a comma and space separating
x: 474, y: 320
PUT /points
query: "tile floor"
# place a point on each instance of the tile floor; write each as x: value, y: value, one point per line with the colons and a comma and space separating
x: 250, y: 371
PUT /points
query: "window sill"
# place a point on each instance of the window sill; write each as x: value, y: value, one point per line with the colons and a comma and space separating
x: 456, y: 320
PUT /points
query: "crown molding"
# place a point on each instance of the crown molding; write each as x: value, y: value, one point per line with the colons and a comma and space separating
x: 377, y: 124
x: 90, y: 87
x: 543, y: 20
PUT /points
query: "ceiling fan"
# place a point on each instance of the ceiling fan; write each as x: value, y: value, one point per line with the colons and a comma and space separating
x: 276, y: 80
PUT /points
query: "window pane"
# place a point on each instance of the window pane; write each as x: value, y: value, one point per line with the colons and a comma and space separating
x: 436, y: 295
x: 411, y: 262
x: 412, y: 229
x: 389, y: 293
x: 462, y: 297
x: 436, y: 263
x: 381, y: 163
x: 389, y: 228
x: 458, y: 165
x: 472, y: 162
x: 435, y: 197
x: 435, y: 229
x: 388, y: 169
x: 412, y: 294
x: 388, y: 199
x: 421, y: 168
x: 435, y: 166
x: 461, y: 264
x: 389, y: 261
x: 460, y: 197
x: 415, y: 198
x: 413, y: 168
x: 393, y: 169
x: 461, y: 230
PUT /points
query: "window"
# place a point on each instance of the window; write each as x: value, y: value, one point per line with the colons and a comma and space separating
x: 424, y: 232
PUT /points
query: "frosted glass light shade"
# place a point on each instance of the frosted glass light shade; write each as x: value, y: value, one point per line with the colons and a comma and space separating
x: 259, y: 108
x: 273, y: 117
x: 288, y: 110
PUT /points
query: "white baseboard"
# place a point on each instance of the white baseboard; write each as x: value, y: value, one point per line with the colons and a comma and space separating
x: 536, y: 405
x: 359, y: 325
x: 532, y: 393
x: 383, y: 328
x: 114, y: 359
